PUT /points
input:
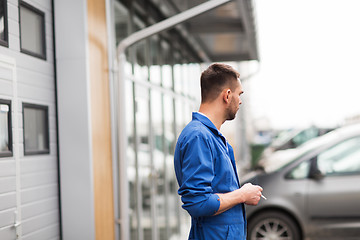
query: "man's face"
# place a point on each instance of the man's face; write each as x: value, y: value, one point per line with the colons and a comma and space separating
x: 235, y: 102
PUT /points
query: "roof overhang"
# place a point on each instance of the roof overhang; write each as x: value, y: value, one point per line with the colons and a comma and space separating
x: 226, y: 33
x: 223, y: 32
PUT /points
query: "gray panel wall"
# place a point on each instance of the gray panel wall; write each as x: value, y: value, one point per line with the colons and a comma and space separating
x: 73, y: 88
x: 28, y: 184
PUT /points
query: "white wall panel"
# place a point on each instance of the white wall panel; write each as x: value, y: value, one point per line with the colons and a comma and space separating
x: 29, y: 184
x: 7, y: 218
x: 34, y: 165
x: 51, y: 232
x: 7, y: 233
x: 38, y: 193
x: 38, y: 178
x: 40, y: 222
x: 7, y: 168
x: 35, y: 209
x: 7, y: 184
x: 7, y: 200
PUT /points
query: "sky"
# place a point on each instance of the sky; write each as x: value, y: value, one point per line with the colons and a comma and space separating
x: 309, y: 71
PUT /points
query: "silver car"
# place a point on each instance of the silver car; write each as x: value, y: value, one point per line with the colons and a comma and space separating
x: 315, y: 194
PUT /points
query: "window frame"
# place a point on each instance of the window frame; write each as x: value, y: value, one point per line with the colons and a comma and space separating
x: 42, y: 15
x: 10, y: 152
x: 47, y: 135
x: 5, y: 42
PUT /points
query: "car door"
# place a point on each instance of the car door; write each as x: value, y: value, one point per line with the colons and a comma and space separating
x: 333, y: 202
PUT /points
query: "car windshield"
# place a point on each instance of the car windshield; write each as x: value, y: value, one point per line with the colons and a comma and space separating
x: 283, y: 137
x: 293, y: 154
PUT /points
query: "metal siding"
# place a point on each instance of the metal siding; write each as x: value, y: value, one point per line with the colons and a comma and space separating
x: 49, y: 233
x: 7, y: 184
x: 35, y: 194
x: 38, y: 178
x: 38, y: 173
x: 35, y: 209
x: 7, y: 233
x: 39, y: 223
x: 7, y: 169
x: 7, y: 218
x: 7, y: 200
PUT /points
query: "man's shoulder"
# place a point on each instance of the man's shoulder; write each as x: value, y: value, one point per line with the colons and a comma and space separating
x: 195, y: 129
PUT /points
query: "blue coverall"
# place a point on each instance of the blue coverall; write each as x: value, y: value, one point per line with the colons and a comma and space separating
x: 205, y: 165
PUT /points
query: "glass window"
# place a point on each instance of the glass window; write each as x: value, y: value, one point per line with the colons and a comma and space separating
x: 36, y: 129
x: 143, y: 161
x: 301, y: 171
x: 178, y: 78
x: 305, y: 135
x: 130, y: 159
x: 193, y: 80
x: 140, y: 67
x: 32, y: 30
x: 121, y: 17
x: 186, y: 75
x: 159, y: 161
x: 343, y: 158
x: 5, y: 129
x: 155, y: 74
x: 169, y: 127
x: 166, y: 71
x: 3, y: 23
x: 155, y: 57
x: 167, y: 76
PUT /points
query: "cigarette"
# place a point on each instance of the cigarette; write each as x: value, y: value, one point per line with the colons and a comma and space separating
x: 263, y: 197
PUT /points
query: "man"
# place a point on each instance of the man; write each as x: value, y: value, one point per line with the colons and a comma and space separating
x: 205, y: 164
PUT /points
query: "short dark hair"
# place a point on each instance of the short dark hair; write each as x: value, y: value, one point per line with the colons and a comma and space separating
x: 215, y: 78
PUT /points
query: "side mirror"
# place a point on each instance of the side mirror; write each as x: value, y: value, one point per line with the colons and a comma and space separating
x: 316, y: 174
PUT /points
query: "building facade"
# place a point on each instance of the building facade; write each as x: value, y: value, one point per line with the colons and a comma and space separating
x: 87, y: 137
x: 29, y: 199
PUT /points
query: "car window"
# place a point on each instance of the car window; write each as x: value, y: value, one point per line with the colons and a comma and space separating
x: 343, y: 158
x: 305, y: 135
x: 301, y: 171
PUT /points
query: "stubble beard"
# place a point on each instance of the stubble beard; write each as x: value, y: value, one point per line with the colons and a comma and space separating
x: 231, y: 114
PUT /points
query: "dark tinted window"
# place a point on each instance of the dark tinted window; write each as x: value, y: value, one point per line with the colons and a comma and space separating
x: 36, y: 129
x: 3, y: 23
x: 32, y: 31
x: 5, y: 129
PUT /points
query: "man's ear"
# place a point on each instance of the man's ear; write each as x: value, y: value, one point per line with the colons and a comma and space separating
x: 226, y: 95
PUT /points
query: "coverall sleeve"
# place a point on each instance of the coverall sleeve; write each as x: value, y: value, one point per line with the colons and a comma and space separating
x: 197, y: 174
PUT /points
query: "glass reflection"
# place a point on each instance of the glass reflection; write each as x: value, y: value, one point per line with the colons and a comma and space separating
x: 3, y: 21
x: 121, y: 17
x: 179, y: 120
x: 194, y: 82
x: 140, y: 67
x: 172, y: 196
x: 155, y: 57
x: 155, y: 74
x: 143, y: 168
x: 166, y: 70
x: 4, y: 128
x: 159, y: 163
x: 167, y: 76
x: 177, y: 78
x: 131, y: 168
x: 185, y: 79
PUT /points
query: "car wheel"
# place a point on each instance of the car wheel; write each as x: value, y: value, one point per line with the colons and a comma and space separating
x: 272, y: 225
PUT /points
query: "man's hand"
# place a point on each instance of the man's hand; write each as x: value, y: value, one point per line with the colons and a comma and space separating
x: 248, y: 194
x: 251, y: 193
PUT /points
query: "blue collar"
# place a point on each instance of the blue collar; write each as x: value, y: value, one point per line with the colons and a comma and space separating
x: 207, y: 122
